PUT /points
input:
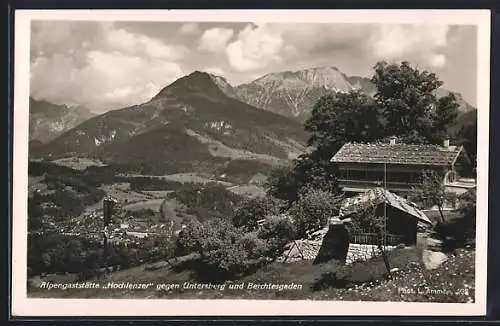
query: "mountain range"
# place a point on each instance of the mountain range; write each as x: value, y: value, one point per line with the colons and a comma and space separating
x: 197, y: 123
x: 48, y: 120
x: 294, y: 93
x: 190, y: 125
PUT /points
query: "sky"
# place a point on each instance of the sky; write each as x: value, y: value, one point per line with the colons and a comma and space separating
x: 109, y: 65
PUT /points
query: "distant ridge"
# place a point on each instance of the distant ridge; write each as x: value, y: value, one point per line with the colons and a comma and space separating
x: 48, y: 120
x: 294, y: 93
x: 190, y: 125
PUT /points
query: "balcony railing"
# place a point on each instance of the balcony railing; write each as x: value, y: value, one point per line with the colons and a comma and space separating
x: 368, y: 183
x: 374, y: 238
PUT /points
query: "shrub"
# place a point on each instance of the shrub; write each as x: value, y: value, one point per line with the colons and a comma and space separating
x: 226, y: 252
x: 222, y: 253
x: 313, y: 209
x: 189, y: 239
x: 467, y: 207
x: 252, y: 210
x: 432, y: 192
x: 461, y: 230
x: 255, y: 246
x: 278, y: 231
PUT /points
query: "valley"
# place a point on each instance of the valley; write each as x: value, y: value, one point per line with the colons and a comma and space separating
x: 188, y: 164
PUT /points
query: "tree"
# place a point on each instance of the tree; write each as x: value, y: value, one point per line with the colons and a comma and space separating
x: 444, y: 116
x: 432, y: 192
x: 467, y: 135
x: 411, y: 109
x: 283, y: 183
x: 335, y: 119
x: 312, y: 170
x: 250, y: 211
x: 315, y: 170
x: 313, y: 209
x: 342, y: 117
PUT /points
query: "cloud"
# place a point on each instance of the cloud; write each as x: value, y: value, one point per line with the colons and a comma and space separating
x: 102, y: 68
x: 215, y: 71
x: 136, y: 44
x: 255, y: 48
x: 111, y: 65
x: 108, y: 81
x: 422, y: 43
x: 215, y: 39
x: 437, y: 60
x: 189, y: 28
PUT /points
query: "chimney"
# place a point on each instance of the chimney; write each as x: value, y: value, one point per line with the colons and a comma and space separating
x: 446, y: 143
x: 392, y: 140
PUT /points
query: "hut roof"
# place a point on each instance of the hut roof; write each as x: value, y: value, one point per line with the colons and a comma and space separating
x: 378, y: 196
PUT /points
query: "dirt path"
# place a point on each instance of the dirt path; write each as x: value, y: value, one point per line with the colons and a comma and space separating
x: 432, y: 255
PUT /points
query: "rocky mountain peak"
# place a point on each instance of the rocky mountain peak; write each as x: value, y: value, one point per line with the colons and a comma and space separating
x: 48, y: 120
x: 293, y: 93
x: 198, y: 82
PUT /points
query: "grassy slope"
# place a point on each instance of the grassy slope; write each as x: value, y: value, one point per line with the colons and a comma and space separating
x: 456, y: 276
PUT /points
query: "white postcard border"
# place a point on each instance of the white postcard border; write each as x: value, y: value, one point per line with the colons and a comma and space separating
x: 24, y: 306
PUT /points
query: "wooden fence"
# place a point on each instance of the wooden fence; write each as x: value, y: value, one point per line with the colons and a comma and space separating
x: 373, y: 238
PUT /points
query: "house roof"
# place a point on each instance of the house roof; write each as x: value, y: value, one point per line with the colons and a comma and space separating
x: 376, y: 196
x: 397, y: 154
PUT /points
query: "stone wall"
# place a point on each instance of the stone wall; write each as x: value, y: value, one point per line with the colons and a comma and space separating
x: 362, y: 252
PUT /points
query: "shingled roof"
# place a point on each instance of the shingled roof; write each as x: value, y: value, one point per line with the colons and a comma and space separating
x: 397, y: 154
x: 377, y: 196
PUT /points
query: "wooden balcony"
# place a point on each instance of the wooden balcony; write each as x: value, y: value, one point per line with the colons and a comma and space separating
x: 364, y: 185
x: 373, y: 239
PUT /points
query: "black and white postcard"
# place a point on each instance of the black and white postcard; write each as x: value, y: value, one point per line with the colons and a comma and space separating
x: 173, y: 163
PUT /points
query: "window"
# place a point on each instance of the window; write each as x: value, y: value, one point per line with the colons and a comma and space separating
x: 343, y: 174
x: 375, y: 176
x: 450, y: 177
x: 357, y: 175
x: 398, y: 176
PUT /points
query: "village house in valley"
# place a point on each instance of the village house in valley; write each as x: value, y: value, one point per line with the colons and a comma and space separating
x: 398, y: 167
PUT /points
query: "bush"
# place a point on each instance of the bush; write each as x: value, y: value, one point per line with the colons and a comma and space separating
x: 467, y: 207
x: 255, y: 246
x: 222, y: 254
x: 226, y: 252
x: 189, y: 239
x: 278, y: 231
x: 312, y: 170
x: 461, y: 230
x: 313, y: 209
x: 252, y: 210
